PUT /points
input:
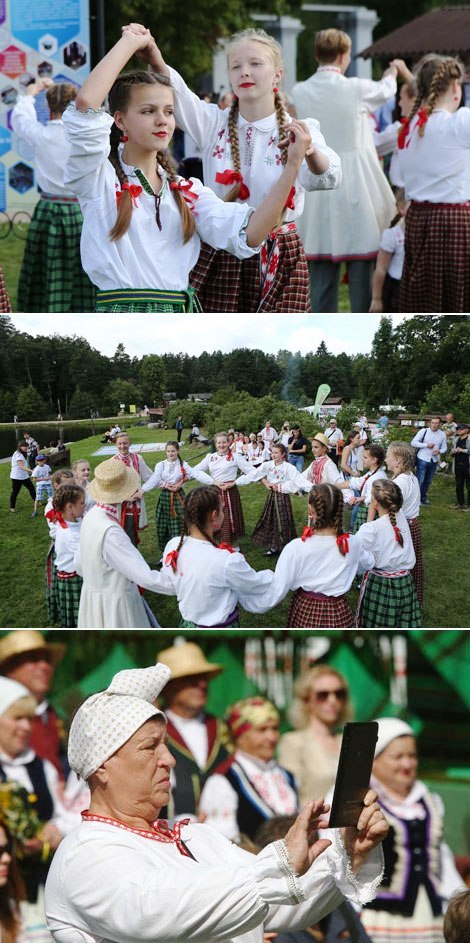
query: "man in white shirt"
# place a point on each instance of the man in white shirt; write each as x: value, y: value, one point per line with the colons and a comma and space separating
x: 334, y: 435
x: 431, y: 443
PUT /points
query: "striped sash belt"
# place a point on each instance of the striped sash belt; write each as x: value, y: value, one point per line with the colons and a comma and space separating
x: 63, y: 575
x: 58, y: 198
x: 186, y: 299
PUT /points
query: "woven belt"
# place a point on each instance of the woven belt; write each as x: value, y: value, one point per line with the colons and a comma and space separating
x: 58, y: 198
x: 233, y: 617
x: 186, y: 298
x: 390, y: 574
x: 62, y: 575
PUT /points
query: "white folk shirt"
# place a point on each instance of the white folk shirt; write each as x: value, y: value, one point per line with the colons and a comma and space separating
x: 436, y: 166
x: 285, y: 475
x: 48, y: 143
x: 16, y: 771
x: 425, y: 437
x: 67, y: 541
x: 393, y: 241
x: 210, y: 582
x: 223, y: 469
x: 365, y: 482
x: 145, y: 257
x: 378, y: 538
x: 260, y: 158
x: 194, y: 733
x: 51, y: 525
x: 409, y: 487
x: 170, y: 473
x: 330, y: 475
x: 269, y: 435
x: 109, y: 884
x: 19, y: 464
x: 219, y: 800
x: 317, y: 566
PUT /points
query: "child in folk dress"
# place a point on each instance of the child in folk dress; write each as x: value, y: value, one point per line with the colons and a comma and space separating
x: 322, y: 470
x: 69, y: 506
x: 373, y: 458
x: 400, y: 459
x: 209, y: 579
x: 58, y: 478
x: 223, y: 466
x: 81, y: 472
x: 276, y: 525
x: 143, y: 223
x: 42, y: 477
x: 133, y: 513
x: 388, y: 597
x: 389, y: 263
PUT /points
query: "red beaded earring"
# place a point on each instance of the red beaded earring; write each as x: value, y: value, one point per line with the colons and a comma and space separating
x: 275, y: 89
x: 124, y: 138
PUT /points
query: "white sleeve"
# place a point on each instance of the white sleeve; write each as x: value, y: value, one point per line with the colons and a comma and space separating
x: 386, y: 141
x: 120, y: 554
x: 331, y: 178
x: 197, y: 474
x: 388, y: 241
x: 203, y: 465
x: 451, y: 882
x: 155, y: 479
x: 222, y: 225
x: 255, y: 474
x: 243, y: 463
x: 367, y: 535
x: 198, y: 118
x: 373, y: 94
x: 240, y: 577
x: 24, y: 121
x: 462, y: 122
x: 282, y: 581
x: 145, y: 472
x: 88, y: 171
x: 219, y: 803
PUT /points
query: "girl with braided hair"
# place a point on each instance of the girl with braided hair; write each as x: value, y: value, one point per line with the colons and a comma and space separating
x: 142, y: 223
x: 275, y: 526
x: 58, y: 478
x: 319, y: 566
x: 68, y: 505
x: 401, y: 459
x: 388, y: 597
x: 51, y: 277
x: 434, y: 155
x: 223, y: 466
x: 244, y: 151
x: 208, y: 578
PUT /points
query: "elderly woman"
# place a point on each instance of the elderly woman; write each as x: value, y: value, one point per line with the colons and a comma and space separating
x: 321, y: 706
x: 123, y: 875
x: 420, y: 875
x: 250, y: 786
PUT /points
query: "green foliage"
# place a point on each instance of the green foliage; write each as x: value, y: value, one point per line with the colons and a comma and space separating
x: 121, y: 391
x: 7, y: 406
x: 190, y: 413
x: 30, y: 405
x: 81, y: 404
x: 152, y: 376
x: 349, y: 414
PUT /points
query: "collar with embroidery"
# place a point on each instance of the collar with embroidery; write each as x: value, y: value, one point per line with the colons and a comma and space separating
x: 160, y: 831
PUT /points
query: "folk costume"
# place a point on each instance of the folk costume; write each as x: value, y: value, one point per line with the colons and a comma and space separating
x: 148, y: 268
x: 277, y: 280
x: 275, y: 526
x: 133, y: 513
x: 51, y: 278
x: 223, y: 468
x: 409, y: 487
x: 388, y: 597
x: 170, y: 507
x: 69, y: 583
x: 322, y: 471
x: 363, y: 485
x: 191, y: 771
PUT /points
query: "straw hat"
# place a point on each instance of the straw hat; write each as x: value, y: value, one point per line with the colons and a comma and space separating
x: 113, y: 482
x: 187, y: 659
x: 24, y: 642
x: 320, y: 437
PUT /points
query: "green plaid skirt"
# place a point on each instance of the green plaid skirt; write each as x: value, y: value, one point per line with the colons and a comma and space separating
x: 152, y: 301
x: 51, y: 277
x: 68, y: 600
x: 169, y: 516
x: 361, y: 518
x: 389, y: 603
x: 51, y: 585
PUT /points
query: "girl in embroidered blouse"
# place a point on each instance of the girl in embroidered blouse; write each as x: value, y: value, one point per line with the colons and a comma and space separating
x: 243, y: 154
x: 140, y: 252
x: 276, y: 525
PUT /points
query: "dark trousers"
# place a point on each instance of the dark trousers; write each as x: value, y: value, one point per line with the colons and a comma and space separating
x: 16, y: 484
x: 462, y: 478
x: 425, y: 472
x: 178, y: 435
x: 32, y: 456
x: 324, y: 285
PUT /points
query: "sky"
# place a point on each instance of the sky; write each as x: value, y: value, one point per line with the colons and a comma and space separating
x: 159, y: 334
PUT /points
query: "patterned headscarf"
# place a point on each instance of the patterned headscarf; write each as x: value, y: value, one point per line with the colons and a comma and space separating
x: 251, y: 712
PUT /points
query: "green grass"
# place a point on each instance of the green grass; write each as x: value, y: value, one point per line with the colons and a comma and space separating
x: 25, y: 543
x: 11, y: 257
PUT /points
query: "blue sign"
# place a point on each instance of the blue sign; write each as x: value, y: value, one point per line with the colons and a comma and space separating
x: 45, y: 25
x: 3, y: 199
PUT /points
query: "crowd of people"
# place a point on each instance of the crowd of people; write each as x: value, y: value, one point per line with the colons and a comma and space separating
x: 162, y: 821
x: 294, y: 186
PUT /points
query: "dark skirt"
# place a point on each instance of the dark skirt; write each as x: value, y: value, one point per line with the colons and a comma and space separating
x: 233, y: 524
x: 388, y: 602
x: 169, y: 516
x: 437, y: 258
x: 276, y: 526
x: 68, y: 600
x: 391, y: 295
x: 418, y: 569
x: 315, y: 611
x: 51, y: 585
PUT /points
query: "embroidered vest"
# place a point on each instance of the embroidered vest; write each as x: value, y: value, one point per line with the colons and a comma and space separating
x: 252, y: 810
x: 190, y: 778
x: 33, y: 870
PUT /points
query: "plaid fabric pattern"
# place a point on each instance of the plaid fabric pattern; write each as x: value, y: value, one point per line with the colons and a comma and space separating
x: 418, y: 570
x: 389, y: 603
x: 437, y: 258
x: 51, y: 586
x: 275, y: 526
x: 234, y: 524
x: 5, y: 306
x: 147, y: 301
x: 43, y: 489
x: 225, y: 283
x: 305, y: 612
x: 68, y: 600
x: 169, y: 524
x: 52, y: 278
x: 361, y: 518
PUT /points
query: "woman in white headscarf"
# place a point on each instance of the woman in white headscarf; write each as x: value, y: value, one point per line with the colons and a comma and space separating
x: 123, y: 875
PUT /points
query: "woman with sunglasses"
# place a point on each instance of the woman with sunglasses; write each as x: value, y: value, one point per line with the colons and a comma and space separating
x: 311, y: 752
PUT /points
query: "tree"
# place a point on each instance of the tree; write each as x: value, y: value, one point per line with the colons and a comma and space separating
x: 152, y: 377
x: 30, y: 405
x: 120, y: 392
x: 81, y: 404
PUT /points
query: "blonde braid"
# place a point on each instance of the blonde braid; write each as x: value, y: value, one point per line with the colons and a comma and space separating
x: 233, y: 194
x: 187, y: 218
x: 282, y: 124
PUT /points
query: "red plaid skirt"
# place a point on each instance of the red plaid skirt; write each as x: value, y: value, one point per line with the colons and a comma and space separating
x: 5, y: 306
x: 234, y: 524
x: 437, y: 258
x: 315, y: 611
x: 225, y: 283
x: 276, y: 525
x: 418, y: 569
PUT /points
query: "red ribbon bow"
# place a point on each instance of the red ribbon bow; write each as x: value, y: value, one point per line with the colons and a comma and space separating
x: 343, y: 542
x: 306, y: 533
x: 171, y: 559
x: 232, y: 176
x: 134, y: 189
x: 397, y: 533
x: 229, y: 455
x: 185, y: 187
x: 290, y: 202
x: 56, y: 517
x: 224, y: 546
x: 404, y: 130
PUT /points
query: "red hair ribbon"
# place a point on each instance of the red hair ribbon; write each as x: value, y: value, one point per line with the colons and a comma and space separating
x: 134, y: 189
x: 56, y: 517
x: 171, y: 559
x: 185, y: 187
x: 231, y: 176
x: 230, y: 455
x: 404, y: 130
x: 343, y: 542
x: 306, y: 533
x: 224, y: 546
x: 290, y: 202
x: 397, y: 533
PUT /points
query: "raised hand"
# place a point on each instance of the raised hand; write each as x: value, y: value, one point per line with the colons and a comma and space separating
x: 301, y: 839
x: 370, y: 831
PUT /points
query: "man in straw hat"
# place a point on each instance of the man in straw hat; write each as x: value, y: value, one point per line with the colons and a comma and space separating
x: 195, y: 739
x: 26, y: 657
x: 111, y: 567
x: 322, y: 471
x: 123, y: 875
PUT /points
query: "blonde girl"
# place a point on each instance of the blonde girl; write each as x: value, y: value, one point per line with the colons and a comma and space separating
x: 81, y: 473
x: 243, y: 152
x: 170, y: 476
x: 400, y: 460
x: 223, y: 466
x: 276, y: 526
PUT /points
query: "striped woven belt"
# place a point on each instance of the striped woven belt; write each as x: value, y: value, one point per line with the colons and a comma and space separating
x: 57, y: 198
x: 390, y: 574
x: 124, y: 295
x: 62, y: 575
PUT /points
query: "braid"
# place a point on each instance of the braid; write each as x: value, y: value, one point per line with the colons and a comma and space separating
x: 327, y: 502
x: 388, y: 495
x: 59, y: 95
x: 233, y: 194
x: 124, y: 212
x: 434, y: 74
x: 187, y: 218
x: 66, y: 494
x: 282, y: 124
x: 398, y: 533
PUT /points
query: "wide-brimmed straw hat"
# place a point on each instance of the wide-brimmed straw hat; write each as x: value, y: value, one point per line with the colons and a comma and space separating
x: 27, y: 641
x: 187, y: 659
x: 113, y: 482
x: 320, y: 437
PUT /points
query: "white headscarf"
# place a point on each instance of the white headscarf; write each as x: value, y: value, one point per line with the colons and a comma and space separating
x: 389, y: 729
x: 11, y: 691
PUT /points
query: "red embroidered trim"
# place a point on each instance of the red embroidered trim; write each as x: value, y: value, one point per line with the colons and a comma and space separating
x: 162, y: 832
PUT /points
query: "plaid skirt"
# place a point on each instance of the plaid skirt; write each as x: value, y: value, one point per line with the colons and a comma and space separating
x: 147, y: 301
x: 315, y: 611
x: 225, y: 283
x: 276, y: 525
x: 51, y: 585
x: 233, y: 524
x: 51, y: 277
x: 68, y: 600
x: 169, y: 516
x: 418, y: 570
x: 5, y: 306
x: 361, y: 518
x: 388, y: 603
x: 437, y: 258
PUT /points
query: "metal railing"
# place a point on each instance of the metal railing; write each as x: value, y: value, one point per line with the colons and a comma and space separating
x: 17, y: 224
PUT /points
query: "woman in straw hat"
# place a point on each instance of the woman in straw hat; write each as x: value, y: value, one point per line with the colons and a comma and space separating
x: 123, y: 875
x: 322, y: 471
x: 111, y: 567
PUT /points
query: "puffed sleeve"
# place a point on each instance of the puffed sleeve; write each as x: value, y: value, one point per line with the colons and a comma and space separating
x: 222, y: 225
x: 155, y: 479
x: 87, y: 170
x: 198, y: 118
x: 197, y: 474
x: 332, y: 177
x: 24, y: 121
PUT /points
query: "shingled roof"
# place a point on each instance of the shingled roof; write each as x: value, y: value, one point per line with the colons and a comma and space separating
x: 445, y: 30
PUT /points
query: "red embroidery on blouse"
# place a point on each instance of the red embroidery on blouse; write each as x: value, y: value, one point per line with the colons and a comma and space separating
x: 160, y: 831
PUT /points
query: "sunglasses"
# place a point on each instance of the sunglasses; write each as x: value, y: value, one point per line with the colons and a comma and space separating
x: 340, y: 694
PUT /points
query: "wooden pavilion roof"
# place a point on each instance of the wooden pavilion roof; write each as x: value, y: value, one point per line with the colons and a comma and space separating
x: 445, y: 30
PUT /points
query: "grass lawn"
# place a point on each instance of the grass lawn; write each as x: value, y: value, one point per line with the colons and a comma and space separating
x: 25, y: 543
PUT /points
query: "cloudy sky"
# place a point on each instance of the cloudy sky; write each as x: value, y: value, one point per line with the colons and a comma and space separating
x: 158, y: 334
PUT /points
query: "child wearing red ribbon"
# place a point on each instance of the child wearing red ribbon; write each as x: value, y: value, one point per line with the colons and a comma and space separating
x: 133, y: 513
x: 388, y: 597
x: 244, y: 152
x: 433, y: 157
x: 143, y: 224
x: 223, y: 466
x: 320, y: 567
x: 68, y: 506
x: 276, y: 526
x: 58, y: 478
